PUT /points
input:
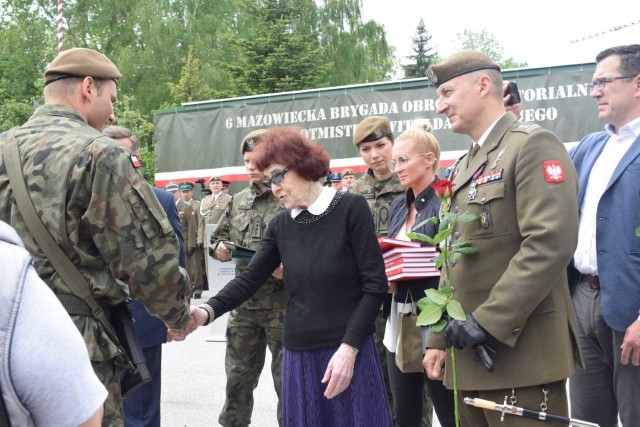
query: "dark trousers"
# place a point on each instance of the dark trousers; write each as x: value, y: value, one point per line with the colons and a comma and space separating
x: 409, y: 397
x: 605, y: 387
x: 142, y: 407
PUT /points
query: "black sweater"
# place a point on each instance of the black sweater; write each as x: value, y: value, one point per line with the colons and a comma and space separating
x: 333, y: 274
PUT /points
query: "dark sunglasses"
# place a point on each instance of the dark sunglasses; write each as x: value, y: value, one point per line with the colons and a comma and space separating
x: 276, y: 178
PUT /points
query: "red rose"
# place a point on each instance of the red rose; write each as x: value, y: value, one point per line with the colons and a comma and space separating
x: 443, y: 188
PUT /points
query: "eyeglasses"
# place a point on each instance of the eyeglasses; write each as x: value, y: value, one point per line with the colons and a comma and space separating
x: 276, y: 178
x: 599, y: 84
x: 401, y: 162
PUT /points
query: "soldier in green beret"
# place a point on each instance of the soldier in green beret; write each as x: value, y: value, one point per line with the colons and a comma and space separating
x: 211, y: 209
x: 348, y: 179
x: 519, y: 181
x: 374, y: 140
x: 188, y: 213
x: 257, y: 323
x: 96, y: 206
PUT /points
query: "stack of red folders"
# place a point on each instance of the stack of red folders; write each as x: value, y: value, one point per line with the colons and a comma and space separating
x: 405, y: 260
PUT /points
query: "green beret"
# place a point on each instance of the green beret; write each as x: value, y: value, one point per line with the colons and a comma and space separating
x: 214, y: 178
x: 347, y: 172
x: 186, y: 186
x: 172, y: 186
x: 458, y: 64
x: 249, y: 142
x: 371, y: 129
x: 81, y: 62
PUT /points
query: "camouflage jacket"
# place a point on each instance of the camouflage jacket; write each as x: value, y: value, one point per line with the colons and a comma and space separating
x: 189, y: 222
x: 379, y: 195
x: 103, y: 215
x: 210, y: 212
x: 244, y: 222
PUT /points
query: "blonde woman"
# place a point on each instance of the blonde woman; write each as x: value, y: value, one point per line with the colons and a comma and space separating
x: 415, y: 160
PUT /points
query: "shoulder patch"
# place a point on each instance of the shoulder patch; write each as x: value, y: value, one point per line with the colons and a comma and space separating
x: 553, y: 171
x: 524, y: 127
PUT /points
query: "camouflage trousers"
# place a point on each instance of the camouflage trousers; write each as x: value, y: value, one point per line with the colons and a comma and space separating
x: 249, y: 333
x: 109, y: 375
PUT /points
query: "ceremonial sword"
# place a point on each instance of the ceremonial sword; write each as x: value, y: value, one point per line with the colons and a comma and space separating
x: 527, y: 413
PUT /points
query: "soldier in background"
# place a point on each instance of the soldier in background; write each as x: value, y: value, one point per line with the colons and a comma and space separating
x: 348, y: 179
x: 374, y: 140
x: 211, y: 209
x: 225, y: 187
x: 189, y: 220
x: 97, y: 207
x: 257, y: 323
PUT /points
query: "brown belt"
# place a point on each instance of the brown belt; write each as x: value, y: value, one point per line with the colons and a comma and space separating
x: 591, y: 280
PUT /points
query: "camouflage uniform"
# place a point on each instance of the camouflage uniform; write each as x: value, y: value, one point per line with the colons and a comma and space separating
x: 105, y: 217
x: 209, y: 213
x: 257, y: 323
x: 379, y: 195
x: 189, y: 222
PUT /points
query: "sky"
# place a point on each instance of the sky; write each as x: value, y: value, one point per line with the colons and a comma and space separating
x: 539, y: 33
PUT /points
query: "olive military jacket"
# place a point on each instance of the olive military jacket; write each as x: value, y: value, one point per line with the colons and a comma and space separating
x: 525, y: 195
x: 210, y: 212
x: 104, y: 216
x: 244, y: 222
x: 379, y: 195
x: 189, y: 222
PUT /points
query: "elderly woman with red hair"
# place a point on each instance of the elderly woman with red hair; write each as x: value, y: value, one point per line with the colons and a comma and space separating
x: 331, y: 373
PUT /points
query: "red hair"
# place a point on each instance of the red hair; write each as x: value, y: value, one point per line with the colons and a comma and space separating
x: 290, y: 147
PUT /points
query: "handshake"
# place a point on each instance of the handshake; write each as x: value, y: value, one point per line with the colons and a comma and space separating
x: 199, y: 317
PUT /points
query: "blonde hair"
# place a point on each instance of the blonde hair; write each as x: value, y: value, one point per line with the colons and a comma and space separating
x: 420, y: 133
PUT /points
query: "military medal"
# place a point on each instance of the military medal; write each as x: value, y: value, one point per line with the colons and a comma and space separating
x: 473, y: 190
x: 485, y: 219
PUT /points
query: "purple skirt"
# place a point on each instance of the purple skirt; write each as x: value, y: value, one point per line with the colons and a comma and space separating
x: 363, y: 404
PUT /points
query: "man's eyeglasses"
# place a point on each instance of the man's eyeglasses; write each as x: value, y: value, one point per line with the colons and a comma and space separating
x: 401, y: 162
x: 276, y: 178
x: 599, y: 84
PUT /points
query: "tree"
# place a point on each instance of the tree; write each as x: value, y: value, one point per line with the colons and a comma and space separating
x: 14, y: 113
x: 423, y: 55
x: 488, y: 44
x: 276, y: 57
x: 358, y: 50
x: 191, y: 86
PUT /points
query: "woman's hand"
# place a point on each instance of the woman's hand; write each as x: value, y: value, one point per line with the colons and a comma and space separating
x: 339, y: 371
x: 277, y: 273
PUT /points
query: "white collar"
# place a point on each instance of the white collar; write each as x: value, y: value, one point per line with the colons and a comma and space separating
x: 320, y: 205
x: 632, y: 129
x: 486, y: 133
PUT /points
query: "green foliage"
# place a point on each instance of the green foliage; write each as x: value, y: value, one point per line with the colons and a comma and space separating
x: 638, y: 231
x: 142, y: 128
x: 487, y: 43
x: 14, y: 113
x: 423, y: 54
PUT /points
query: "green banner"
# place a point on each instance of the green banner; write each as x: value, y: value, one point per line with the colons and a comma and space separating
x: 207, y: 135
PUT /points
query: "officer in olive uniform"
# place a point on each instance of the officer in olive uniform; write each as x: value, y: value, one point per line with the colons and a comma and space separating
x: 189, y: 220
x: 96, y: 206
x: 195, y: 264
x: 257, y: 323
x: 518, y: 179
x: 211, y: 209
x: 348, y: 179
x: 374, y: 140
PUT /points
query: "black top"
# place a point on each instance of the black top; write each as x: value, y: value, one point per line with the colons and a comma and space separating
x: 427, y: 206
x: 333, y: 274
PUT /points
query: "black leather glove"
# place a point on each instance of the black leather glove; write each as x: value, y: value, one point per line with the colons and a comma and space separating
x: 484, y: 353
x: 464, y: 333
x: 190, y: 251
